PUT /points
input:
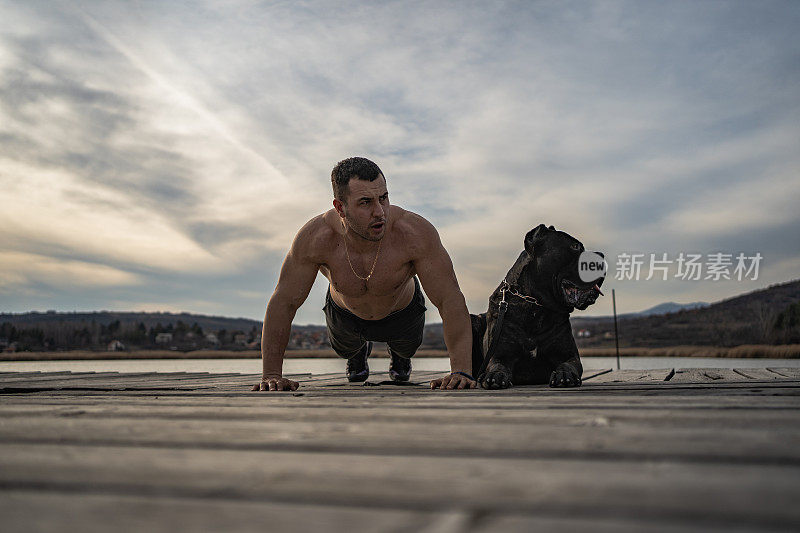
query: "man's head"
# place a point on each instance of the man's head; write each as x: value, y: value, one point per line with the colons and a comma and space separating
x: 359, y: 168
x: 360, y: 197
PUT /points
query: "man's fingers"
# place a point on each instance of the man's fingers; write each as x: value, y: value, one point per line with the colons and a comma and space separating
x: 453, y: 382
x: 285, y: 384
x: 277, y: 385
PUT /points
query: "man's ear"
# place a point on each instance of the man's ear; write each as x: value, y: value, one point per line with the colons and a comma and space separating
x: 535, y: 236
x: 339, y: 206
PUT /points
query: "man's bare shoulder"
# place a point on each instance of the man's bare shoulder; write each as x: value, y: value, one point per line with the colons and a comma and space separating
x: 418, y: 234
x: 316, y: 236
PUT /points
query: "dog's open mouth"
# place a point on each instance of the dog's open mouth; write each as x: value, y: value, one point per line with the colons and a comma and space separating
x: 580, y: 297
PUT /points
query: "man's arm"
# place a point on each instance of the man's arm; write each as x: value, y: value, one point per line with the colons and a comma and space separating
x: 435, y: 271
x: 297, y: 276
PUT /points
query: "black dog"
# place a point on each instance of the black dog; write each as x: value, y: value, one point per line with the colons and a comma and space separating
x: 525, y: 337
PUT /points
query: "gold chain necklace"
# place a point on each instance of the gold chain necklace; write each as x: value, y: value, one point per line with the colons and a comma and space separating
x: 375, y: 262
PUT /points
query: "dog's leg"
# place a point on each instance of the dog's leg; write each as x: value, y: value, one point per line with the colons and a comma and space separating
x: 561, y: 355
x: 499, y: 369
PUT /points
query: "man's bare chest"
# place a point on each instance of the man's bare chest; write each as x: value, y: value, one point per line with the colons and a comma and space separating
x: 392, y: 270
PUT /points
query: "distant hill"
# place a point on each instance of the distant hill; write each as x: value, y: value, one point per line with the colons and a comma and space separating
x: 53, y: 330
x: 209, y: 323
x: 669, y: 307
x: 750, y: 318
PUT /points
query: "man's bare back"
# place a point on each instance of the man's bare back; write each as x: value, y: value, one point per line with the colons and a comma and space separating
x: 370, y: 252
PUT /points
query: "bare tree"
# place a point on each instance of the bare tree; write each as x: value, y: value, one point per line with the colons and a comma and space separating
x: 763, y: 321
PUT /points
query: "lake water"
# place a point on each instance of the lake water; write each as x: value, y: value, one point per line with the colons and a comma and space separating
x: 324, y: 366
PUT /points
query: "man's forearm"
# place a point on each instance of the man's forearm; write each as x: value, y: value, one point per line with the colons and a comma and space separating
x: 274, y: 337
x: 457, y: 334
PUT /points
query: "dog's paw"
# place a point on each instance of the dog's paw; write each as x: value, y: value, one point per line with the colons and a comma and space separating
x: 564, y: 376
x: 496, y: 379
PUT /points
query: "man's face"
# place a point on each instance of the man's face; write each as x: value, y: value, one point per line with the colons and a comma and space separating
x: 366, y: 208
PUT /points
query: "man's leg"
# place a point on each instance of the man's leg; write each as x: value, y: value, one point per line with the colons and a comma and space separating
x: 344, y: 334
x: 406, y: 337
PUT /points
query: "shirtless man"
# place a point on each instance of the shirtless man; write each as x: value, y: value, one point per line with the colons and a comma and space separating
x: 370, y: 251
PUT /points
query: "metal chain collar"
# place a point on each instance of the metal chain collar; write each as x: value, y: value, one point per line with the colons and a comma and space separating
x: 506, y: 288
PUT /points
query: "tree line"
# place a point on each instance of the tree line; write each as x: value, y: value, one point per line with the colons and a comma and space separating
x: 91, y: 335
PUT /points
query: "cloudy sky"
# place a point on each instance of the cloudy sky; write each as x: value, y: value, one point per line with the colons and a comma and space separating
x: 161, y: 155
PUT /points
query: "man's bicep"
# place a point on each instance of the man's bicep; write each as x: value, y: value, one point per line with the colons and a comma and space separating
x: 435, y: 271
x: 296, y: 279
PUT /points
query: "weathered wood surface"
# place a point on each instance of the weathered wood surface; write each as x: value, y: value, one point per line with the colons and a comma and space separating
x: 653, y: 450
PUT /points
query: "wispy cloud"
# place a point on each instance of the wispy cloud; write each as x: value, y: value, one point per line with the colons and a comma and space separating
x: 181, y: 146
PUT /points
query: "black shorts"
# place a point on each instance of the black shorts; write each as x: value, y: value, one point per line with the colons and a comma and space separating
x: 401, y: 330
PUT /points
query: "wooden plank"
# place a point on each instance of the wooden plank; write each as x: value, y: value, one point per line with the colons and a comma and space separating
x: 39, y: 372
x: 91, y: 513
x: 115, y: 381
x: 111, y: 378
x: 114, y: 377
x: 603, y: 392
x: 609, y: 392
x: 622, y: 396
x: 25, y: 376
x: 785, y: 372
x: 592, y: 374
x: 760, y: 374
x: 707, y: 375
x: 789, y: 372
x: 238, y: 382
x: 658, y: 490
x: 434, y: 409
x: 604, y: 439
x: 563, y: 416
x: 25, y: 511
x: 629, y: 376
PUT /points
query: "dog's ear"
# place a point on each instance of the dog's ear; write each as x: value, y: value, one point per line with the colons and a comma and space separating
x: 534, y: 237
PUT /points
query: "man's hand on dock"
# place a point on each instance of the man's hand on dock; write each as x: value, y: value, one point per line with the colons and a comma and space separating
x: 454, y: 381
x: 276, y: 384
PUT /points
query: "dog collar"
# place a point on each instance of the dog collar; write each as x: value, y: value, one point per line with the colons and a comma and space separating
x: 506, y: 287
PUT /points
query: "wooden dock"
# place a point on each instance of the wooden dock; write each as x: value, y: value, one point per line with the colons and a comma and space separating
x: 653, y: 450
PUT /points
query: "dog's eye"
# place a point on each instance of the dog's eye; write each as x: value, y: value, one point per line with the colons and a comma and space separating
x: 576, y: 246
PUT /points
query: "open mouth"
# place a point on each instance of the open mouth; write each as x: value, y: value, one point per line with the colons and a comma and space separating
x: 579, y: 296
x: 378, y: 226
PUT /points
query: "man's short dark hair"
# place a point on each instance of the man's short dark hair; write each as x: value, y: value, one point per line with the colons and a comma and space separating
x: 353, y: 167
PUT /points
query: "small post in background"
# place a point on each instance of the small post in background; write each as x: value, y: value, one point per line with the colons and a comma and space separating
x: 616, y: 331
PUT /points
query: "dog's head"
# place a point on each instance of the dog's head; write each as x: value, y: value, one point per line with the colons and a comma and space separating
x: 554, y: 256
